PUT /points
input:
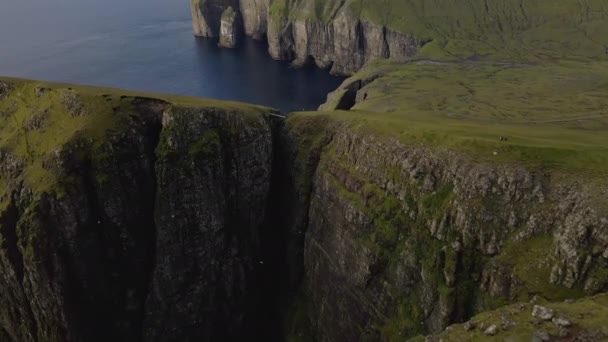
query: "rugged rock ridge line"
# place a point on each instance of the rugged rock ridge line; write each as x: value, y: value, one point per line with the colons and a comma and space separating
x: 214, y: 221
x: 343, y: 43
x: 406, y: 240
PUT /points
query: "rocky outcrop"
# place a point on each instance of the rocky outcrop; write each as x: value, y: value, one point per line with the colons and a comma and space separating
x: 229, y: 28
x: 570, y: 321
x: 255, y: 17
x: 4, y: 90
x: 207, y: 16
x: 344, y: 43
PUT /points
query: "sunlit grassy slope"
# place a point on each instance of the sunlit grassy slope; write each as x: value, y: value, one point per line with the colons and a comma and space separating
x: 532, y: 72
x: 506, y: 29
x: 553, y: 116
x: 38, y: 119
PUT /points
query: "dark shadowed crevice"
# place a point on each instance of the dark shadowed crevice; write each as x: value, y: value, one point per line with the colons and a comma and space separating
x: 149, y: 118
x: 294, y: 167
x: 4, y: 335
x: 385, y: 45
x: 8, y: 231
x: 273, y: 244
x: 349, y: 99
x: 360, y: 37
x: 153, y: 132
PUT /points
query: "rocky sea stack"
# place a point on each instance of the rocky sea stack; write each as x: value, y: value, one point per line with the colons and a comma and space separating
x: 329, y: 34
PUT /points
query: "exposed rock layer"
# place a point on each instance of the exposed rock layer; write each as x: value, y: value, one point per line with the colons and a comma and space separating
x: 344, y: 43
x: 404, y: 240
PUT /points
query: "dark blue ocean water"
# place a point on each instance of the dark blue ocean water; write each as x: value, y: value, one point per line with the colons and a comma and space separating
x: 146, y: 45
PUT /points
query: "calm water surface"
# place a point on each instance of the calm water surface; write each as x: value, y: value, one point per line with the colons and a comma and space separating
x: 146, y: 45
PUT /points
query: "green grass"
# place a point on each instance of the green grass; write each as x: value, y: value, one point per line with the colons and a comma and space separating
x: 535, y: 72
x: 500, y: 30
x: 555, y: 116
x: 35, y: 127
x: 586, y: 315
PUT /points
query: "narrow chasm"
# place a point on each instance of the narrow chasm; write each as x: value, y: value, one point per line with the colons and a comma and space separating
x: 273, y: 267
x: 153, y: 132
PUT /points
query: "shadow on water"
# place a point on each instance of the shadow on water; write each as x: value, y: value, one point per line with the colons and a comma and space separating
x: 147, y: 45
x: 249, y: 74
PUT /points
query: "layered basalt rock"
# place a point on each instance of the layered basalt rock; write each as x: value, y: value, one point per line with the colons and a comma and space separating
x: 344, y: 43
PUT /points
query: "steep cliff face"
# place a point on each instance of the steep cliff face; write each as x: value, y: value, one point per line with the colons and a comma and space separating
x: 213, y: 177
x: 404, y: 240
x: 74, y: 260
x: 255, y: 17
x: 346, y: 34
x: 342, y: 42
x: 129, y: 218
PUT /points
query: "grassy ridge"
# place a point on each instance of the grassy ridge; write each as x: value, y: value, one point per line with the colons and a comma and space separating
x: 553, y: 115
x: 502, y: 30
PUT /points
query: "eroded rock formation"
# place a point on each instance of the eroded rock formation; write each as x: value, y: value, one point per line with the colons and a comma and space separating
x: 343, y: 43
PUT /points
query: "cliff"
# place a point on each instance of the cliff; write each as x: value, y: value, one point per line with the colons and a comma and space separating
x: 338, y: 39
x: 406, y: 239
x: 126, y: 217
x: 344, y: 35
x: 141, y: 217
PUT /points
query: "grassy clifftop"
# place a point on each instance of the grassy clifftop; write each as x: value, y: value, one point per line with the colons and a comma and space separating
x: 38, y: 120
x: 511, y: 29
x: 551, y: 115
x: 513, y: 81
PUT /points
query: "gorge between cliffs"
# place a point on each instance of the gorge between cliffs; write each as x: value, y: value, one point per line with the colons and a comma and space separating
x: 453, y: 188
x: 181, y: 220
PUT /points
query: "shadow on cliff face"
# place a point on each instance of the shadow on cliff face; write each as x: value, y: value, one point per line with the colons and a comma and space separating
x: 109, y: 259
x: 275, y: 271
x: 281, y: 266
x: 181, y: 224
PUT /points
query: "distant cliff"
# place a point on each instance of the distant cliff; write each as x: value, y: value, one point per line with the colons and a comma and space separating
x: 346, y: 34
x: 338, y: 39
